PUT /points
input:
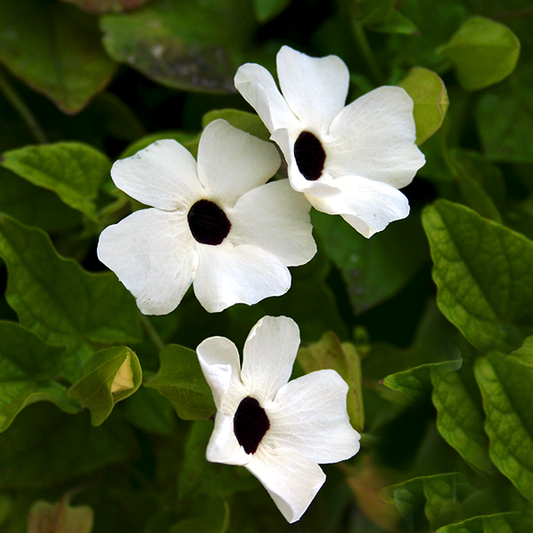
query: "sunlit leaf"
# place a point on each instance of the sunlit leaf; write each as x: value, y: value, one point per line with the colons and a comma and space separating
x: 74, y: 171
x: 430, y: 101
x: 59, y: 300
x: 28, y: 368
x: 180, y: 380
x: 505, y: 385
x: 493, y: 523
x: 189, y: 45
x: 55, y: 49
x: 60, y: 517
x: 109, y: 376
x: 483, y: 51
x: 483, y: 274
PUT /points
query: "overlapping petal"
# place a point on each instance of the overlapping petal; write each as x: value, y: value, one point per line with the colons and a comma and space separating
x: 163, y: 175
x: 223, y: 446
x: 231, y: 162
x: 152, y: 253
x: 229, y: 274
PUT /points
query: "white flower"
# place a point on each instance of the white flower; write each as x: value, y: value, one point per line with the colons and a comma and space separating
x: 278, y: 430
x: 215, y: 223
x: 346, y: 160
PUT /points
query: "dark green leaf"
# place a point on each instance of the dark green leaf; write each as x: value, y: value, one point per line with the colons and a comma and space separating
x: 104, y: 6
x: 216, y: 520
x: 60, y: 301
x: 180, y: 380
x: 190, y: 45
x: 506, y: 387
x: 239, y: 119
x: 343, y: 358
x: 109, y: 376
x: 430, y: 101
x: 28, y: 368
x: 482, y: 271
x: 184, y: 138
x: 266, y: 10
x: 55, y: 49
x: 371, y: 12
x: 483, y: 51
x: 74, y: 171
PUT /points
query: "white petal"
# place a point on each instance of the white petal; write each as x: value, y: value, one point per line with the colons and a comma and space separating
x: 322, y: 188
x: 258, y: 88
x: 291, y: 479
x: 365, y: 204
x: 220, y: 364
x: 153, y: 254
x: 232, y: 162
x: 374, y: 137
x: 223, y: 446
x: 268, y: 357
x: 243, y: 274
x: 315, y: 88
x: 163, y: 175
x: 275, y: 218
x: 309, y: 415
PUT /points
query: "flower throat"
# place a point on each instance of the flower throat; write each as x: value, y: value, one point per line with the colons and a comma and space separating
x: 309, y: 155
x: 208, y: 222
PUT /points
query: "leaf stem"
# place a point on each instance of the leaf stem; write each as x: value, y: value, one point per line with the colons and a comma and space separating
x: 22, y: 109
x: 152, y: 333
x: 366, y: 52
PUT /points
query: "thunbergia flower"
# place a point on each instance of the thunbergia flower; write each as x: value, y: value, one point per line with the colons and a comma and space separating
x: 346, y: 160
x: 279, y: 430
x: 216, y: 224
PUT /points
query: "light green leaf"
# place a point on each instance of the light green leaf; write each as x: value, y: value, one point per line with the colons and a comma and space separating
x: 460, y: 415
x: 266, y: 10
x: 60, y: 301
x: 55, y: 49
x: 28, y: 368
x: 328, y: 352
x: 109, y: 376
x: 74, y: 171
x: 373, y: 269
x: 430, y: 101
x: 507, y: 391
x: 483, y: 51
x: 60, y: 517
x: 494, y: 523
x: 525, y: 353
x: 180, y: 380
x: 483, y: 274
x: 439, y: 499
x: 239, y: 119
x: 505, y: 122
x: 191, y: 45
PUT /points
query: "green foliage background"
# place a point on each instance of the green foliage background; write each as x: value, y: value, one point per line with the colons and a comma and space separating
x: 430, y: 322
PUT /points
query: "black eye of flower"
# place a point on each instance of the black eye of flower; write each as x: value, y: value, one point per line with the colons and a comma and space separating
x: 309, y: 155
x: 208, y: 222
x: 250, y: 424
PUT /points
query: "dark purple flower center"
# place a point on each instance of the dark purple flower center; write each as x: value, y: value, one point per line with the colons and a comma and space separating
x: 250, y: 424
x: 309, y: 155
x: 208, y: 223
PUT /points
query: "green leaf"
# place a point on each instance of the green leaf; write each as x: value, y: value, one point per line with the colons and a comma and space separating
x: 185, y: 138
x: 60, y: 517
x: 60, y: 301
x: 195, y: 517
x: 482, y: 271
x: 72, y: 170
x: 180, y: 380
x: 239, y: 119
x: 371, y: 12
x: 109, y: 376
x: 525, y: 353
x: 460, y: 415
x: 104, y: 6
x: 55, y: 49
x: 266, y: 10
x: 437, y: 499
x: 373, y: 269
x: 396, y: 23
x: 199, y: 477
x: 484, y: 52
x: 190, y: 45
x: 44, y: 447
x: 430, y: 101
x: 507, y: 391
x: 505, y: 123
x: 28, y: 368
x: 328, y: 352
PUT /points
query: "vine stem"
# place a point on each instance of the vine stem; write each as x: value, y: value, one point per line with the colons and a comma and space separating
x: 154, y: 336
x: 366, y: 52
x: 22, y: 109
